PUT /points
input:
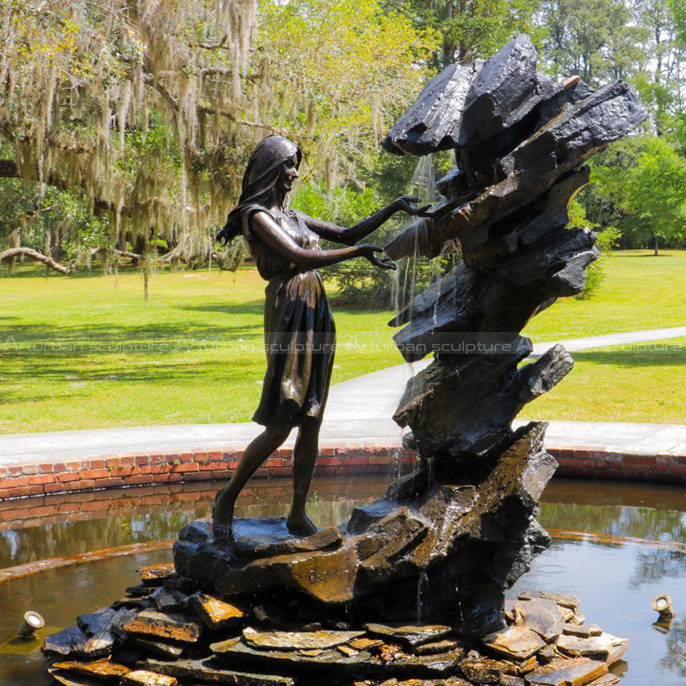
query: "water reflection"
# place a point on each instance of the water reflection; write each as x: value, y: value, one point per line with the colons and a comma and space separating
x: 108, y: 519
x: 674, y: 661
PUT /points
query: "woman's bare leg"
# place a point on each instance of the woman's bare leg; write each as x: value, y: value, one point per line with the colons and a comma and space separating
x: 304, y: 456
x: 255, y: 454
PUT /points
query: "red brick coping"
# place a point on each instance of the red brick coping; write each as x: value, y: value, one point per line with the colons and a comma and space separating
x: 116, y: 471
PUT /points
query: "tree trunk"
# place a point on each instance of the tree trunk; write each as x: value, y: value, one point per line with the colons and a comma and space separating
x: 140, y: 247
x: 15, y: 242
x: 655, y: 243
x: 55, y: 242
x: 48, y: 250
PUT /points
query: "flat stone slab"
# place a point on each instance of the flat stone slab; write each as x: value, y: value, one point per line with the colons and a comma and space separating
x: 363, y: 664
x: 214, y: 612
x: 567, y: 673
x: 516, y: 642
x: 143, y: 677
x: 214, y: 672
x: 157, y: 573
x: 584, y: 630
x: 164, y: 625
x: 563, y: 599
x: 68, y: 642
x: 410, y: 635
x: 543, y: 616
x: 298, y: 640
x: 99, y: 627
x: 97, y: 668
x: 484, y: 670
x: 264, y: 555
x: 604, y: 647
x: 169, y: 650
x: 167, y: 600
x: 436, y: 648
x: 70, y: 679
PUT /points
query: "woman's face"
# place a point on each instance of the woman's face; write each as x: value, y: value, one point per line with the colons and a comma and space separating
x: 288, y: 174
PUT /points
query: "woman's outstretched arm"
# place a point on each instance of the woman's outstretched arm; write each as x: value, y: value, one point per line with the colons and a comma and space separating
x: 270, y: 233
x: 350, y: 236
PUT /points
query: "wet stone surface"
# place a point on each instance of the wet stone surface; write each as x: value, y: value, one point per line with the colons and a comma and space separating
x: 163, y: 625
x: 248, y: 654
x: 143, y: 677
x: 298, y: 640
x: 214, y: 612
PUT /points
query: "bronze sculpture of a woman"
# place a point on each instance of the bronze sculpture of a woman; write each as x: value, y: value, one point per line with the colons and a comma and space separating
x: 298, y: 324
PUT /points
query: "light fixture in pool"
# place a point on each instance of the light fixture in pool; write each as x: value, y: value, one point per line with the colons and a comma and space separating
x: 662, y: 604
x: 32, y: 622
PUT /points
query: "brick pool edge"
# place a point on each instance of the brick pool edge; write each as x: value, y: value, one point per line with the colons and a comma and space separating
x: 143, y: 469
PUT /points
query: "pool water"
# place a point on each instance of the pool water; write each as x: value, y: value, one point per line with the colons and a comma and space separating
x: 616, y: 546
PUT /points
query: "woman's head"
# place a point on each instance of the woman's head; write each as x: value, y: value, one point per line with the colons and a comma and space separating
x: 273, y: 166
x: 265, y: 164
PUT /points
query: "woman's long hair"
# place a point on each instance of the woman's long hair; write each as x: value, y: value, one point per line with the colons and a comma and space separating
x: 259, y: 180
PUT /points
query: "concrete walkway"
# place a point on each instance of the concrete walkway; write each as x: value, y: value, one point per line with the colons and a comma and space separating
x: 359, y: 410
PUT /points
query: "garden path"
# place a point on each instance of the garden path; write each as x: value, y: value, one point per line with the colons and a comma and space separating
x: 359, y: 409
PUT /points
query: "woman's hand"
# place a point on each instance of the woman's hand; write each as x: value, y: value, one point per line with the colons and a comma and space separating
x: 370, y: 252
x: 406, y: 203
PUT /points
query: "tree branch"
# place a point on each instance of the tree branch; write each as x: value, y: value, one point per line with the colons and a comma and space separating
x: 16, y: 252
x: 212, y: 46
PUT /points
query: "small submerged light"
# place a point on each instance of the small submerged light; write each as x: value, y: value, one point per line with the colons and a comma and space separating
x: 32, y: 622
x: 662, y: 604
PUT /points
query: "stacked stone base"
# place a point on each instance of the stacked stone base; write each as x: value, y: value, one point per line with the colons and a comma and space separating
x: 167, y: 632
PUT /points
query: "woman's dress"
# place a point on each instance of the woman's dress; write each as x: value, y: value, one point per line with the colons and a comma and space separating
x: 299, y: 330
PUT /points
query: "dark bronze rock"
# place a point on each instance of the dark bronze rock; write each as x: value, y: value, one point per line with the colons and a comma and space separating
x: 433, y: 122
x: 363, y: 517
x: 159, y: 647
x: 543, y: 616
x: 163, y: 625
x: 601, y: 647
x: 214, y: 612
x: 298, y: 640
x: 571, y: 602
x: 264, y: 555
x: 110, y: 671
x: 565, y: 672
x: 166, y: 600
x: 154, y: 575
x: 99, y: 628
x: 515, y: 642
x: 68, y: 642
x: 325, y: 576
x: 503, y: 95
x: 584, y: 630
x: 143, y: 677
x: 212, y: 671
x: 463, y: 409
x: 69, y: 679
x: 434, y: 648
x: 333, y: 662
x: 410, y: 636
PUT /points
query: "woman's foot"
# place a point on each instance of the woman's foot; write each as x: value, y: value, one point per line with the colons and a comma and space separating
x: 300, y: 525
x: 222, y: 517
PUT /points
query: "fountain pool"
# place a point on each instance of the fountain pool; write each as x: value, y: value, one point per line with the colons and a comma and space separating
x: 615, y: 546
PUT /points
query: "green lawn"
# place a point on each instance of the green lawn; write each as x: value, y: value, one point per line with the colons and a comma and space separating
x: 77, y: 352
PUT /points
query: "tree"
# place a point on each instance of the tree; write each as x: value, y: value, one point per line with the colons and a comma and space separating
x: 592, y: 38
x: 336, y: 76
x: 148, y: 110
x: 651, y: 193
x: 476, y: 28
